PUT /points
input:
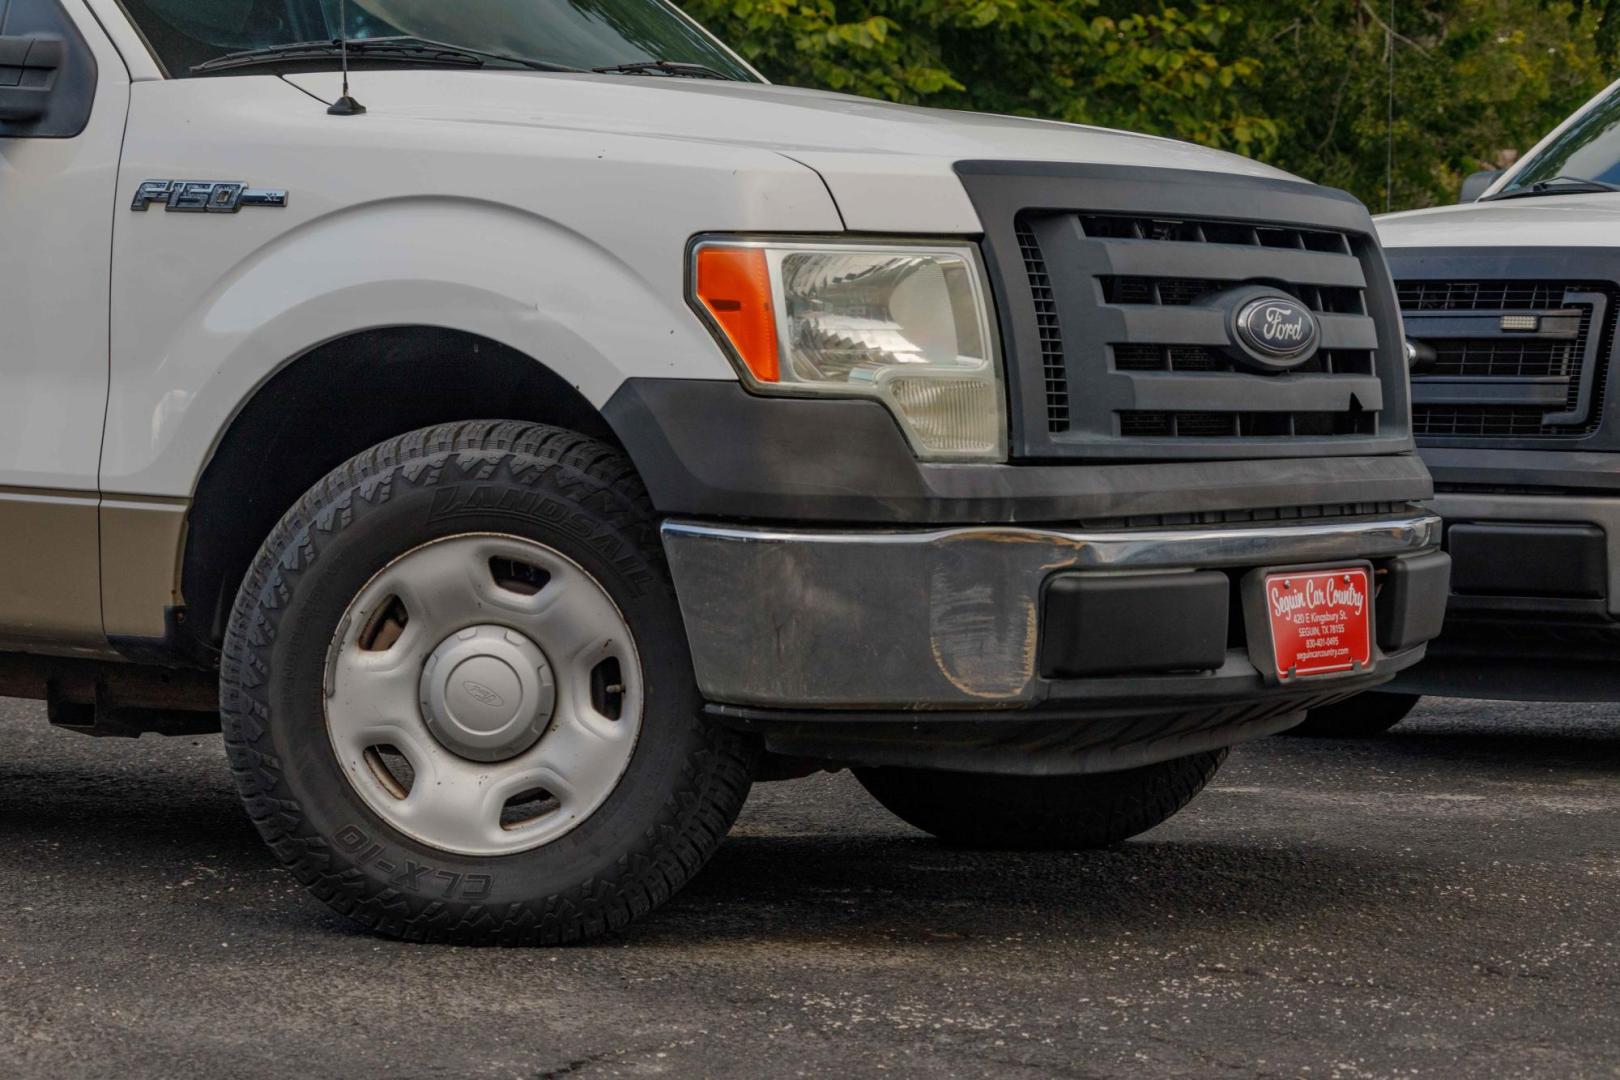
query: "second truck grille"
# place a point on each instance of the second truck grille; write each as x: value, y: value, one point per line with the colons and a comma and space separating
x: 1508, y: 359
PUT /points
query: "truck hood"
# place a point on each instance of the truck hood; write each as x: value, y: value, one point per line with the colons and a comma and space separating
x: 889, y: 167
x: 1545, y: 221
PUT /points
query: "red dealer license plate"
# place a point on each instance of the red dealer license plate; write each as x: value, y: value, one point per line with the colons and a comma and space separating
x: 1321, y: 621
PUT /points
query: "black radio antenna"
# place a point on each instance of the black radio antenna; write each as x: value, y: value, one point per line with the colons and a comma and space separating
x: 345, y: 105
x: 1389, y: 119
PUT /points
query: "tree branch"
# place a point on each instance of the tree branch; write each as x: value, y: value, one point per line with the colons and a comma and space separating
x: 1388, y: 29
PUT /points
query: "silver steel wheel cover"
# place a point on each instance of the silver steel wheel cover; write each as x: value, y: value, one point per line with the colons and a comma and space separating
x: 375, y: 697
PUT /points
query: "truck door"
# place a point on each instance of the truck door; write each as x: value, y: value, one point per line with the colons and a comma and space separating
x: 64, y: 94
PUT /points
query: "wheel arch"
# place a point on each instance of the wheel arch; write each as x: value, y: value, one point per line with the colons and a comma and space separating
x: 329, y: 404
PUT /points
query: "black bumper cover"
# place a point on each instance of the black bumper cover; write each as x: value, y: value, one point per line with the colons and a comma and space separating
x: 710, y: 449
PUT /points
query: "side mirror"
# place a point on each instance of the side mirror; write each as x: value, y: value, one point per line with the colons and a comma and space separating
x: 1477, y: 183
x: 28, y: 67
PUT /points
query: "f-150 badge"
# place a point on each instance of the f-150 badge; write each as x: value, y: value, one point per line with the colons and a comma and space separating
x: 204, y: 196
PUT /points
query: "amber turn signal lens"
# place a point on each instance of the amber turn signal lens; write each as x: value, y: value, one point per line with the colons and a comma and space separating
x: 734, y: 284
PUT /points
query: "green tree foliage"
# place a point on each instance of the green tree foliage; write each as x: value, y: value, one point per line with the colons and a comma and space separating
x: 1475, y: 82
x: 1165, y: 70
x: 1606, y: 23
x: 1301, y: 84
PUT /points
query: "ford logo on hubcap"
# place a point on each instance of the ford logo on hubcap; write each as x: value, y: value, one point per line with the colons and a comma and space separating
x: 483, y: 694
x: 1277, y: 332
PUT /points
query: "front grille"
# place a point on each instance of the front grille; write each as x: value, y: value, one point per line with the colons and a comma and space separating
x: 1118, y: 290
x: 1316, y: 267
x: 1509, y: 360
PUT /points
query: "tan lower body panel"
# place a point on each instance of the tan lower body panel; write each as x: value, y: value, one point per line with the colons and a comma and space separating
x: 141, y: 542
x: 75, y: 570
x: 50, y: 572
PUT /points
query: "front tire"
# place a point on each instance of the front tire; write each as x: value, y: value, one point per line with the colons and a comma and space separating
x: 457, y: 698
x: 1041, y: 813
x: 1361, y: 717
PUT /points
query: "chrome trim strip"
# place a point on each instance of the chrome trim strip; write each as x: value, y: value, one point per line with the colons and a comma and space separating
x: 1213, y: 546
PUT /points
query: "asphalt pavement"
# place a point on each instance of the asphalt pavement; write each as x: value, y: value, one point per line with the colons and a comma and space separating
x: 1440, y: 902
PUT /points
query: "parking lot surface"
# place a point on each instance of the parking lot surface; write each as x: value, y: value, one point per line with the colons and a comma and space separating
x: 1440, y: 902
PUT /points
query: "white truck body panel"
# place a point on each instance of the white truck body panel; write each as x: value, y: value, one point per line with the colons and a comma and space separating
x: 56, y: 206
x: 1554, y: 221
x: 549, y: 240
x: 889, y: 166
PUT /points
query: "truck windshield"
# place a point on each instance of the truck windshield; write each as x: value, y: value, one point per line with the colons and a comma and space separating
x: 573, y: 34
x: 1584, y: 159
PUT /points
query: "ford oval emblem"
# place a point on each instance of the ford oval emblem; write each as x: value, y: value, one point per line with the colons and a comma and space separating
x: 1277, y: 332
x: 483, y: 694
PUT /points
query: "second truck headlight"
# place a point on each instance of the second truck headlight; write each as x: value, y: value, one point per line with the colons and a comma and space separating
x: 906, y: 324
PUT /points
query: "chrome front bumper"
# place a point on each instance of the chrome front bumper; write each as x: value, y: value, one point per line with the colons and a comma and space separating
x: 951, y: 618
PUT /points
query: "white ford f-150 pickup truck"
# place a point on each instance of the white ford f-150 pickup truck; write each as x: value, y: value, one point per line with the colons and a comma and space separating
x: 526, y: 447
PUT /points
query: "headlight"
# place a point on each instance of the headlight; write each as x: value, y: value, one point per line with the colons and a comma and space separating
x: 906, y: 324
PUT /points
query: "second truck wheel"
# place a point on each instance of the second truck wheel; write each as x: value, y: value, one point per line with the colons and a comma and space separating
x: 1361, y: 717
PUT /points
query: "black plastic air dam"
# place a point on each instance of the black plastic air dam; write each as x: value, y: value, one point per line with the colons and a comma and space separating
x: 1050, y: 743
x: 708, y: 448
x: 1421, y: 585
x: 1103, y: 624
x: 1519, y: 559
